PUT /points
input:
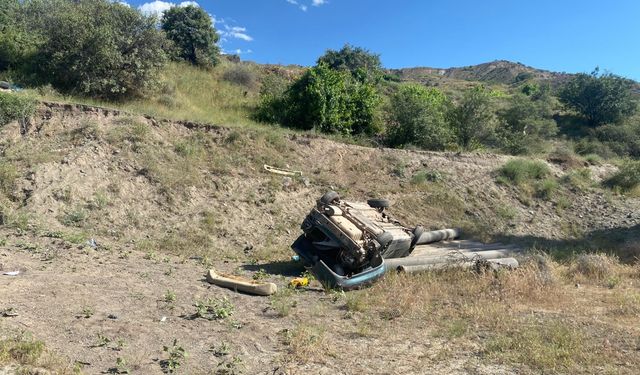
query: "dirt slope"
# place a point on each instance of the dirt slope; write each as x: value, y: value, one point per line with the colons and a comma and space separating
x: 164, y: 201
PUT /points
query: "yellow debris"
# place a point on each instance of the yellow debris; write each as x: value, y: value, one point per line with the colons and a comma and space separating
x: 299, y: 282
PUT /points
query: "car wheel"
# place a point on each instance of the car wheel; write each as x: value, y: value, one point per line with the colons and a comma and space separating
x: 329, y: 197
x: 417, y: 232
x: 378, y: 203
x: 384, y: 239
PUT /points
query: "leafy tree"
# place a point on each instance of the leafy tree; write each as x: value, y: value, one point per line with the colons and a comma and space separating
x: 418, y: 117
x: 96, y: 47
x: 360, y: 62
x: 328, y: 100
x: 526, y: 123
x: 599, y: 98
x: 16, y: 42
x: 473, y: 119
x: 191, y: 29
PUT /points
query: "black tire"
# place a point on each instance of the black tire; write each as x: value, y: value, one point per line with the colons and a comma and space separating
x: 378, y: 203
x: 384, y: 239
x: 330, y: 197
x: 417, y: 232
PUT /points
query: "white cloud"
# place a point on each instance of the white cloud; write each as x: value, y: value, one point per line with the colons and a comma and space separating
x: 298, y: 4
x: 236, y: 52
x: 157, y: 7
x: 317, y: 3
x: 236, y: 32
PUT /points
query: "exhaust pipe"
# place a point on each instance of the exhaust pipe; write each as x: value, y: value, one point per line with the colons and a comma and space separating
x: 437, y: 235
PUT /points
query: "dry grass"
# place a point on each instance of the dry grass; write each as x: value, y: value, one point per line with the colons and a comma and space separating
x: 193, y: 94
x: 533, y: 318
x: 30, y: 356
x: 307, y: 343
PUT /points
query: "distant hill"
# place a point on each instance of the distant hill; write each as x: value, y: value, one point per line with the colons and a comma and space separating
x: 495, y: 72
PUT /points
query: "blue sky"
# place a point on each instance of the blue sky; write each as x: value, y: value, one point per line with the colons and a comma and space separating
x: 561, y: 35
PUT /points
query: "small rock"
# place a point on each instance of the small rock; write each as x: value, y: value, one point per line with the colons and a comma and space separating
x: 287, y: 181
x: 112, y: 316
x: 248, y: 247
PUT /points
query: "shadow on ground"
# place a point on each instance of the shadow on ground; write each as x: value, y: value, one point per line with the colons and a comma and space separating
x: 624, y: 242
x: 288, y: 268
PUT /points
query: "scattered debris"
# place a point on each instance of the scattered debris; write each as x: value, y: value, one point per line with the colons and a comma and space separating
x: 348, y: 245
x: 240, y: 284
x: 92, y: 243
x: 8, y: 312
x: 299, y: 282
x: 281, y: 171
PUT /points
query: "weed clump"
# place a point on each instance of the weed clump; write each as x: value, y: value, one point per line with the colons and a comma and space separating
x: 627, y: 179
x: 522, y: 171
x: 214, y: 308
x: 593, y: 266
x: 15, y: 107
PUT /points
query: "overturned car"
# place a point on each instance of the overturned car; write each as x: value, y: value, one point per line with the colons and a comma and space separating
x: 351, y: 244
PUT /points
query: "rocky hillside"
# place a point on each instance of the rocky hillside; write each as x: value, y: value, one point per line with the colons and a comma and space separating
x: 495, y: 72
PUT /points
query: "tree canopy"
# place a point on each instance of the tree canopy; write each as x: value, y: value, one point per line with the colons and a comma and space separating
x: 473, y: 119
x: 328, y: 100
x: 418, y: 117
x: 93, y: 47
x: 599, y: 98
x: 191, y: 30
x: 358, y: 61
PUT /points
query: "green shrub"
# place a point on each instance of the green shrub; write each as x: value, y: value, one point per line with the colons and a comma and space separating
x: 418, y: 117
x: 241, y: 75
x: 327, y: 100
x: 627, y: 178
x: 356, y: 60
x: 422, y: 177
x: 14, y: 107
x: 526, y: 123
x: 473, y: 118
x: 272, y: 99
x: 97, y: 48
x: 599, y: 98
x: 521, y: 171
x: 623, y: 140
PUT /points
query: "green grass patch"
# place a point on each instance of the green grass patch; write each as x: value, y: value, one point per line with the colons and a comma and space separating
x: 548, y: 346
x: 522, y: 171
x: 546, y: 189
